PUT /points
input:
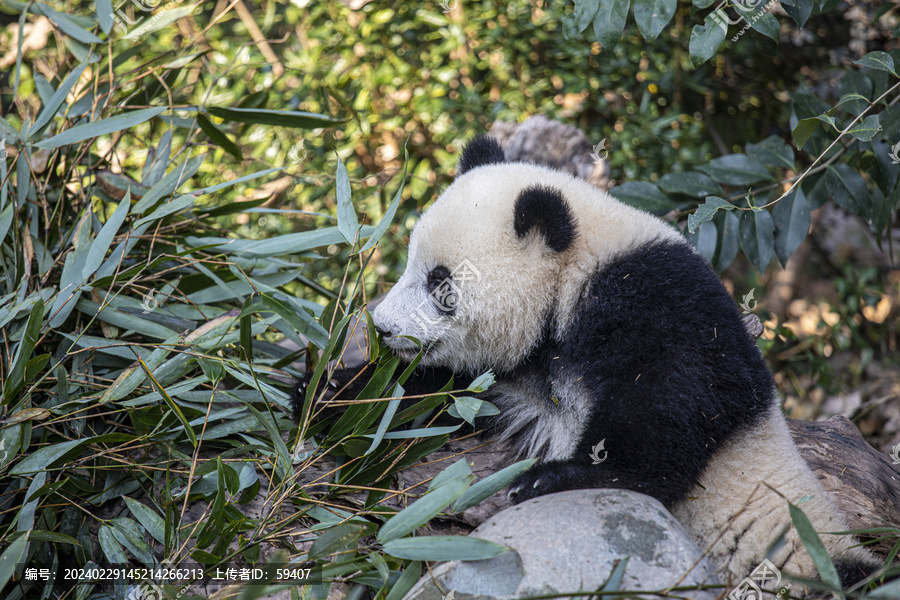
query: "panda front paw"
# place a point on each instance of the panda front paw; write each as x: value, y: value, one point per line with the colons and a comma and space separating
x: 298, y: 395
x: 528, y: 485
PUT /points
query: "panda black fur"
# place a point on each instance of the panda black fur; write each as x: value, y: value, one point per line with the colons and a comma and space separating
x: 602, y: 323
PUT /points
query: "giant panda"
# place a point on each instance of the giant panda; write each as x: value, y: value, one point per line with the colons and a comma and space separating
x: 602, y: 323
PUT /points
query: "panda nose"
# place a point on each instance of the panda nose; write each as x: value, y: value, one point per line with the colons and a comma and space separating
x: 383, y: 332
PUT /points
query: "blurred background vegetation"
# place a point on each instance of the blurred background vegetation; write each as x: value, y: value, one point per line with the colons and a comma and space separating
x: 366, y: 84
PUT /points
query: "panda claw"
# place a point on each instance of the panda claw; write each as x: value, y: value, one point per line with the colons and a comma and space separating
x: 536, y: 484
x: 513, y: 493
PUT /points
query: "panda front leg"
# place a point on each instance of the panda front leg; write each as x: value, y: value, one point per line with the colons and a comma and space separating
x: 560, y: 476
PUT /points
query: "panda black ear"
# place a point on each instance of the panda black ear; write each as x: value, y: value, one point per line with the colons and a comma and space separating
x: 482, y: 150
x: 546, y: 209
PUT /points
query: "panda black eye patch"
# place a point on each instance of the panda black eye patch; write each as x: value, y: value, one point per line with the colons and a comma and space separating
x: 546, y: 209
x: 442, y: 290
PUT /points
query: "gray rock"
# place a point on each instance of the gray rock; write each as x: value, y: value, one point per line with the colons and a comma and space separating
x: 568, y: 542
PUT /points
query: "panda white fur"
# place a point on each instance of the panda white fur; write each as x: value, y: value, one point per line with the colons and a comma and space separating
x: 602, y: 323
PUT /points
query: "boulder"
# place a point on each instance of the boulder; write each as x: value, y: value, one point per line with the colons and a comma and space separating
x: 570, y: 542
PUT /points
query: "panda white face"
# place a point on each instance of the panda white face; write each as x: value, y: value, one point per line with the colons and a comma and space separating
x: 499, y: 261
x: 473, y: 293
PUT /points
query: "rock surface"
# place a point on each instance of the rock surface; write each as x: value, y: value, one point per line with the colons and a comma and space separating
x: 570, y: 541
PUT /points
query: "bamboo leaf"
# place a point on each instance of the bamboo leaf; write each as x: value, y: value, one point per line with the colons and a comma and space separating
x: 79, y: 133
x: 282, y: 118
x: 102, y: 242
x: 489, y: 486
x: 443, y: 547
x: 52, y: 106
x: 815, y: 548
x: 42, y: 458
x: 422, y: 510
x: 348, y: 225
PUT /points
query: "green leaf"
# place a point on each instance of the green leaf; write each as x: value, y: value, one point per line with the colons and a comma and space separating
x: 160, y: 21
x: 469, y: 407
x: 482, y: 382
x: 609, y: 22
x: 728, y: 224
x: 652, y: 16
x: 152, y: 522
x: 690, y: 183
x: 707, y: 210
x: 422, y: 510
x: 878, y: 60
x: 68, y: 26
x: 174, y: 206
x: 757, y: 231
x: 218, y: 136
x: 346, y: 215
x: 110, y: 546
x: 799, y: 10
x: 282, y: 118
x: 407, y: 580
x: 291, y: 243
x: 12, y: 558
x: 94, y: 129
x: 186, y: 426
x: 866, y: 129
x: 643, y: 195
x: 890, y: 120
x: 341, y: 538
x: 296, y: 317
x: 737, y: 169
x: 768, y: 25
x: 55, y: 101
x: 815, y: 548
x: 168, y: 183
x: 772, y: 151
x: 15, y: 378
x: 104, y: 11
x: 791, y: 215
x: 386, y: 419
x: 71, y: 279
x: 42, y: 458
x: 458, y: 470
x: 847, y: 188
x: 585, y: 10
x: 489, y: 486
x: 102, y: 242
x: 857, y: 99
x: 705, y: 239
x: 443, y: 547
x: 706, y: 38
x: 803, y: 131
x: 419, y: 433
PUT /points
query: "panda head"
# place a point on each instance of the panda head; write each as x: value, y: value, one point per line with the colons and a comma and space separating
x: 480, y: 276
x: 498, y: 261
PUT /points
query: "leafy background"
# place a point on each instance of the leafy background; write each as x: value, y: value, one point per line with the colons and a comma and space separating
x: 193, y: 206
